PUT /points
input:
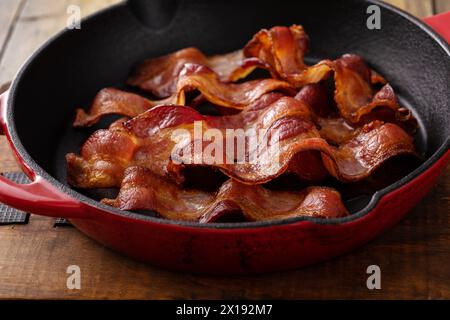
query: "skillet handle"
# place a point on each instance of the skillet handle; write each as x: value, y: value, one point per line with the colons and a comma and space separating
x: 441, y: 24
x: 39, y: 196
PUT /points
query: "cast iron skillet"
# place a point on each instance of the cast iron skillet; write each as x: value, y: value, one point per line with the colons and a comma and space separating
x: 68, y: 71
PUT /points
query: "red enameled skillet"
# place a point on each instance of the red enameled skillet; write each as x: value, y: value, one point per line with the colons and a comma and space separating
x: 67, y: 71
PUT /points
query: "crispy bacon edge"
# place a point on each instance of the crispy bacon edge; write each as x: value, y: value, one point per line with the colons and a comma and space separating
x: 281, y: 50
x: 107, y: 153
x: 192, y: 77
x: 142, y: 190
x: 159, y: 76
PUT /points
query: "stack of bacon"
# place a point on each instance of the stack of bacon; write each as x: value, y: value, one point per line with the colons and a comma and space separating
x: 345, y: 133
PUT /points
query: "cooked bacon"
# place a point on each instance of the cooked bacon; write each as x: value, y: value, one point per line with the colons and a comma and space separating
x: 370, y: 147
x: 308, y: 166
x: 354, y: 95
x: 147, y: 141
x: 337, y: 129
x: 113, y: 101
x: 159, y: 76
x: 234, y: 66
x: 236, y: 96
x: 192, y: 77
x: 346, y: 134
x: 142, y: 190
x: 281, y: 48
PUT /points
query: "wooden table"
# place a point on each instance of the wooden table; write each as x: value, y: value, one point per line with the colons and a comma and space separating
x: 414, y: 257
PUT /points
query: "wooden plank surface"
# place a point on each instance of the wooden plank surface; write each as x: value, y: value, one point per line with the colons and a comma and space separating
x: 9, y: 12
x: 442, y: 6
x: 38, y: 21
x: 413, y: 256
x: 420, y: 8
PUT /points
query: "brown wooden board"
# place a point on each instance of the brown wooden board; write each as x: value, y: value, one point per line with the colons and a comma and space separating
x: 420, y: 8
x: 442, y: 5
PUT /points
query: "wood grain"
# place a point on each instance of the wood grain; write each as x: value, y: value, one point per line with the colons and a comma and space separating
x: 9, y: 12
x: 419, y: 8
x: 413, y: 256
x: 442, y: 6
x: 39, y: 20
x: 7, y: 161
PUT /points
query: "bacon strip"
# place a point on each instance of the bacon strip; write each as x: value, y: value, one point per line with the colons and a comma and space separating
x: 234, y: 66
x: 371, y: 146
x: 159, y: 76
x: 148, y: 141
x: 237, y: 96
x: 142, y: 190
x: 192, y: 77
x: 113, y: 101
x: 145, y: 140
x: 281, y: 48
x: 337, y: 129
x: 354, y: 96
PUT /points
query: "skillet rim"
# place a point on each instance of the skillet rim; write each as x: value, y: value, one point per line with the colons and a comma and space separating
x: 375, y: 199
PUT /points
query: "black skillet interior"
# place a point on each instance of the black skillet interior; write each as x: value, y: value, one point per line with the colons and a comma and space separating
x: 69, y: 71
